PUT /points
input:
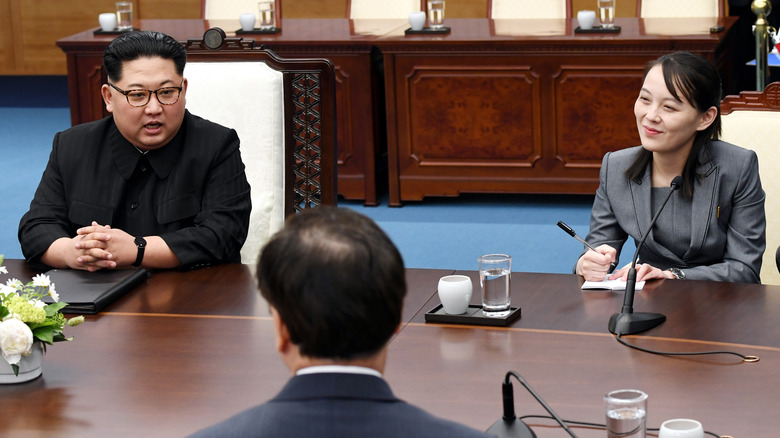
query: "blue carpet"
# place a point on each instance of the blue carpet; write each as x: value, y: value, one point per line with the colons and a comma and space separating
x: 440, y: 233
x: 451, y: 233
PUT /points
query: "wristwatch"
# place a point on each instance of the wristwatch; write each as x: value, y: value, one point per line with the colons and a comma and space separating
x: 140, y: 242
x: 678, y: 274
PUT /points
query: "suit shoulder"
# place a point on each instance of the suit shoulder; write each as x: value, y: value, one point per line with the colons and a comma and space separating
x: 727, y: 151
x: 84, y: 134
x: 202, y: 126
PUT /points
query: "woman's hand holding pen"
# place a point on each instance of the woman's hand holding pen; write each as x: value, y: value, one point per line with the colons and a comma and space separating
x: 596, y: 263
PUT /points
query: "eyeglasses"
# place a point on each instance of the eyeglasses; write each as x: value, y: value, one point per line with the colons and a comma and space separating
x: 140, y: 97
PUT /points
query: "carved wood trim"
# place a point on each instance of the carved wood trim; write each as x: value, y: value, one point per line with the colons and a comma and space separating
x: 768, y: 100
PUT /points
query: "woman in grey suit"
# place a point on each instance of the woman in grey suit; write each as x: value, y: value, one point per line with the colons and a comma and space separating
x: 713, y: 228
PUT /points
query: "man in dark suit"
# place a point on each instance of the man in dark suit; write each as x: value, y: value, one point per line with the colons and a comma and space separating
x: 151, y: 185
x: 335, y: 284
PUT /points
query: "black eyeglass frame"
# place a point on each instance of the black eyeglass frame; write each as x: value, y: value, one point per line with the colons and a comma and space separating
x: 149, y: 96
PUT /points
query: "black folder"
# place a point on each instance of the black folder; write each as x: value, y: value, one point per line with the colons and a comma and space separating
x: 89, y: 292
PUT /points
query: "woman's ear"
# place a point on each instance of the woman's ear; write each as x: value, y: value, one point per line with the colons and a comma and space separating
x: 706, y: 118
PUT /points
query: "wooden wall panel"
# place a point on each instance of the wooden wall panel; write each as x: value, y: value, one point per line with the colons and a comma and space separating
x: 478, y: 115
x: 610, y: 94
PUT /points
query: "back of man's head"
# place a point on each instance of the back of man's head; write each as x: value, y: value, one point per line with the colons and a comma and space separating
x: 144, y: 44
x: 337, y: 282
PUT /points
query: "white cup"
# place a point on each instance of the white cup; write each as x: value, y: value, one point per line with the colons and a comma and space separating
x: 586, y: 19
x: 417, y: 20
x: 681, y: 428
x: 107, y: 21
x: 247, y: 21
x: 455, y: 293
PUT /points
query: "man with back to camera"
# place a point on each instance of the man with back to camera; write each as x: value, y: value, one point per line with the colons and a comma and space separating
x: 152, y: 185
x: 335, y: 284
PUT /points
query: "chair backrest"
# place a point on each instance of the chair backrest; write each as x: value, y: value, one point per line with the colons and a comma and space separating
x: 752, y: 120
x: 529, y: 9
x: 679, y: 8
x: 362, y: 9
x: 284, y: 113
x: 231, y: 9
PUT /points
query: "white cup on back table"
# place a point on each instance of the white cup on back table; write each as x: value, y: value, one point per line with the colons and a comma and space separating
x: 586, y: 19
x: 247, y: 21
x: 417, y: 20
x: 107, y: 21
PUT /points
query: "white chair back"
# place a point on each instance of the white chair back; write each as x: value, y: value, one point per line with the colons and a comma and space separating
x: 752, y: 120
x: 228, y: 9
x: 679, y: 8
x: 248, y: 97
x: 528, y: 9
x: 362, y: 9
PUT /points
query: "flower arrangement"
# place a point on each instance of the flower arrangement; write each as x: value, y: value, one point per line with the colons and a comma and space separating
x: 25, y: 318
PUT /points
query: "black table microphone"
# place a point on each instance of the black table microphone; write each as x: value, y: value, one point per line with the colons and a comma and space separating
x: 627, y: 322
x: 509, y: 426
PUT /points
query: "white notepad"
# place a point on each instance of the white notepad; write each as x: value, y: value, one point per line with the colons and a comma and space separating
x: 610, y: 285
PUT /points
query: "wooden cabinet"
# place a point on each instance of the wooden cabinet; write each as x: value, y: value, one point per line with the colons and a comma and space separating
x: 481, y: 111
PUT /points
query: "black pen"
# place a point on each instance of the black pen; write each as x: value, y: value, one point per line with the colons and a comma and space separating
x: 571, y: 232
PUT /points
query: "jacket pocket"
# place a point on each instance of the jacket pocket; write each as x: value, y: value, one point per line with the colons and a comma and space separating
x: 179, y: 209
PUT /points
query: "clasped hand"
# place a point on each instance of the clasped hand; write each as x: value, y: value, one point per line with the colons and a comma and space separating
x: 102, y: 247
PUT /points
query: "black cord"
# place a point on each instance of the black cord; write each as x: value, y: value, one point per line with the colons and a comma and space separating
x: 746, y: 359
x: 595, y: 425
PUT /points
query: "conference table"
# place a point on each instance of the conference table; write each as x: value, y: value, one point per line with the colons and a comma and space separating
x: 187, y: 349
x: 493, y: 106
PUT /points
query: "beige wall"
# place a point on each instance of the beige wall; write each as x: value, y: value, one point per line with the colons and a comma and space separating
x: 30, y: 29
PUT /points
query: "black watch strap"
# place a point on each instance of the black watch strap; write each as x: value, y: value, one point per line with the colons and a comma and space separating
x: 140, y: 242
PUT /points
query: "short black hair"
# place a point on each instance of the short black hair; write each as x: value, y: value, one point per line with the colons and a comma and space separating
x: 337, y: 281
x: 141, y: 44
x: 699, y: 83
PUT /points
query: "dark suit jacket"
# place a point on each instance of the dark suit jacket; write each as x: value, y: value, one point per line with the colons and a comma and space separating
x: 192, y: 192
x: 728, y: 225
x: 337, y: 405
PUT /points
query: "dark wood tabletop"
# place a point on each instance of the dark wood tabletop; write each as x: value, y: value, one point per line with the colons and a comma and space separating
x: 188, y: 349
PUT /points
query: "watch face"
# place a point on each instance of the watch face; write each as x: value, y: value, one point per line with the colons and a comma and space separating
x: 140, y: 241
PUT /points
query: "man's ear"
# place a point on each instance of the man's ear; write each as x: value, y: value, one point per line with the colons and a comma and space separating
x: 107, y: 97
x: 282, y: 335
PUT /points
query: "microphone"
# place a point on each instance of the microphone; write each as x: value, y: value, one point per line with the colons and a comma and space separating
x: 509, y: 426
x: 627, y: 322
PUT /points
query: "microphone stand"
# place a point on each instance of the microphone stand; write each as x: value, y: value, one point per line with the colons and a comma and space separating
x: 509, y: 426
x: 627, y: 322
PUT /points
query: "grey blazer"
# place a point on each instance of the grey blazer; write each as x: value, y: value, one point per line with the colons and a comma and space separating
x: 728, y: 225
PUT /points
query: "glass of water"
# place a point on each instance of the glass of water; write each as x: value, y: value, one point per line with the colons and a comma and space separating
x: 494, y: 276
x: 626, y: 413
x: 267, y: 19
x: 124, y: 16
x: 607, y: 13
x: 435, y: 14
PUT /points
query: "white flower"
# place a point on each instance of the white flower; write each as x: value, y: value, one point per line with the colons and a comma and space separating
x: 6, y: 289
x: 3, y: 270
x: 41, y: 280
x: 15, y: 283
x: 53, y: 294
x: 16, y: 339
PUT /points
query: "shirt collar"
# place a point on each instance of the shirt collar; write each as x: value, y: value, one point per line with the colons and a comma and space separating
x: 346, y: 369
x: 162, y: 160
